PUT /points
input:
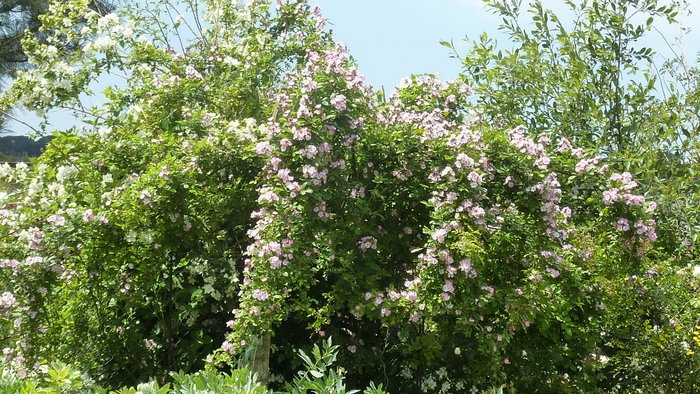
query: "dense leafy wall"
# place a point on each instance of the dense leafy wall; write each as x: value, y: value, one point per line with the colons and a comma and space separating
x: 248, y: 194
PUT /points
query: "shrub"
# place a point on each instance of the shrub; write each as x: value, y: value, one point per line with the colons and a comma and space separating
x: 248, y: 194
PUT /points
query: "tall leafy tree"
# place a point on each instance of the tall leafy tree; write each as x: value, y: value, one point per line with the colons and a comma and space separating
x: 586, y: 77
x: 591, y: 76
x: 17, y: 17
x: 21, y: 17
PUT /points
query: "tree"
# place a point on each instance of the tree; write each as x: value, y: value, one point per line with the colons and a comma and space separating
x: 585, y: 77
x: 21, y: 147
x: 17, y: 18
x: 588, y: 78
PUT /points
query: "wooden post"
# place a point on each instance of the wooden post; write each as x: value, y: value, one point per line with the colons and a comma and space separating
x: 257, y: 358
x: 261, y: 359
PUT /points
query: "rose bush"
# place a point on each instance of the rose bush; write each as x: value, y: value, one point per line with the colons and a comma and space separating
x: 246, y: 193
x: 131, y: 267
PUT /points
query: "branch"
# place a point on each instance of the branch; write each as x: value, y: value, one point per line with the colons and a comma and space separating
x: 12, y: 117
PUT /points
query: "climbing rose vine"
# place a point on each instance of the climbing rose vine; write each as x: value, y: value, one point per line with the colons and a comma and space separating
x: 247, y: 192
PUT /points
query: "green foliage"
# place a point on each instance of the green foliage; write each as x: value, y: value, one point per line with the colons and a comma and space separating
x: 10, y: 383
x: 146, y: 388
x: 205, y: 382
x: 584, y: 76
x: 318, y: 377
x: 165, y: 212
x: 55, y: 377
x: 144, y: 288
x: 21, y: 148
x: 246, y: 193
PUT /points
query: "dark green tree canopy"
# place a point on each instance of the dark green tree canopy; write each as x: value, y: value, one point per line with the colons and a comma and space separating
x: 15, y: 17
x: 18, y: 17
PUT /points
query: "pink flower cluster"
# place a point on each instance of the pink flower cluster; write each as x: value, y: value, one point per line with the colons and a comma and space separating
x: 366, y: 243
x: 9, y: 263
x: 464, y: 162
x: 526, y: 145
x: 447, y: 289
x: 57, y: 220
x: 553, y: 272
x: 263, y: 148
x: 273, y: 251
x: 268, y: 195
x: 474, y: 211
x: 339, y: 102
x: 613, y: 195
x: 565, y: 146
x: 34, y: 236
x: 622, y: 224
x: 317, y: 177
x: 287, y: 179
x: 260, y: 295
x: 320, y: 210
x: 555, y: 215
x: 7, y: 300
x: 465, y: 137
x: 357, y: 192
x: 625, y: 179
x: 625, y: 183
x: 586, y: 165
x: 646, y: 228
x: 192, y: 73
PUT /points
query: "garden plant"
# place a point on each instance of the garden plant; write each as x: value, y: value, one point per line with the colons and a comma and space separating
x: 244, y: 195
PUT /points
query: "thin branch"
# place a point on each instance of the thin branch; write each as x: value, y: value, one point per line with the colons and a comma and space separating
x: 177, y: 31
x: 16, y: 119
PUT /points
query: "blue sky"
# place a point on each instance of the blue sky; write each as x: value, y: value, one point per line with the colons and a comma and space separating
x: 391, y: 39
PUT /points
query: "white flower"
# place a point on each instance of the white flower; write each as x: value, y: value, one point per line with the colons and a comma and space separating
x: 131, y: 236
x: 428, y: 384
x: 107, y: 21
x: 231, y: 61
x: 696, y: 271
x: 51, y: 52
x: 7, y: 299
x: 64, y: 172
x: 103, y: 132
x: 127, y: 32
x: 107, y: 179
x: 102, y: 44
